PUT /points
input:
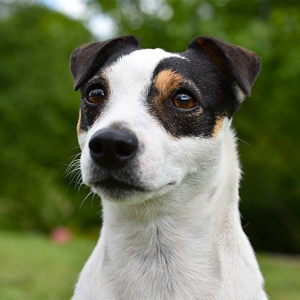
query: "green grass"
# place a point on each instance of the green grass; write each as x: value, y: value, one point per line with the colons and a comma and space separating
x: 282, y: 276
x: 33, y: 268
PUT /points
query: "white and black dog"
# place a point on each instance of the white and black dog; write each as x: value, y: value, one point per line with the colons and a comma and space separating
x: 157, y: 146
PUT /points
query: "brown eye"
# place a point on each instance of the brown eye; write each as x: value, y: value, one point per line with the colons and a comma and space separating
x: 184, y: 101
x: 96, y: 96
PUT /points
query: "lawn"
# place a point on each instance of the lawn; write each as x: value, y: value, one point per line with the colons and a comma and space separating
x: 34, y: 268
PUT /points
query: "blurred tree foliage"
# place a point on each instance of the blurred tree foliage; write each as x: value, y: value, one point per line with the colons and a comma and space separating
x: 37, y: 116
x: 37, y: 106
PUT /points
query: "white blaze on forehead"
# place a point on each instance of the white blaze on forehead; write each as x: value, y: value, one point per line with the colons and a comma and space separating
x: 134, y: 71
x: 139, y: 65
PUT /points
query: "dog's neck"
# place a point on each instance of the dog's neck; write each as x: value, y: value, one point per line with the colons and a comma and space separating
x: 172, y: 241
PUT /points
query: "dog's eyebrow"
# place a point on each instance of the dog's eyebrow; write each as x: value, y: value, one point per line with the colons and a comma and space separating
x: 167, y: 80
x: 98, y: 77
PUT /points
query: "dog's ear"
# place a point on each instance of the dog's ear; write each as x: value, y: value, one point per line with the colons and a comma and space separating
x: 86, y: 59
x: 238, y: 64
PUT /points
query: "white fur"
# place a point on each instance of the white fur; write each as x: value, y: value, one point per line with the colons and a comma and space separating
x: 180, y: 241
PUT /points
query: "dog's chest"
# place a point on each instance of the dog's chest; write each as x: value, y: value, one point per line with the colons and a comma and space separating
x: 156, y: 268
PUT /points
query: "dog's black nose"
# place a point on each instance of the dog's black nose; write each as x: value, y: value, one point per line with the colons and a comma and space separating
x: 113, y: 148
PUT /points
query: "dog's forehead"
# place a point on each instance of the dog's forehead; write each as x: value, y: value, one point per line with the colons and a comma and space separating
x: 138, y: 66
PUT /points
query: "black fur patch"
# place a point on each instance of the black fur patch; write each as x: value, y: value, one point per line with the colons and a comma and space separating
x: 89, y: 58
x: 209, y: 87
x: 90, y: 112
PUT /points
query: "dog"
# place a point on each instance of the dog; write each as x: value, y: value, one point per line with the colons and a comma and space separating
x: 158, y: 148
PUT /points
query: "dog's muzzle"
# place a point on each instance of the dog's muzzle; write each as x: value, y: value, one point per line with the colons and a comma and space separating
x: 113, y: 148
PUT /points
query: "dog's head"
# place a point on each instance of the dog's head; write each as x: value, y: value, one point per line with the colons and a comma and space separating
x: 151, y: 120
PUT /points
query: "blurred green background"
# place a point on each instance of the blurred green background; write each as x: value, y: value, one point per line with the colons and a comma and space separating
x: 38, y: 109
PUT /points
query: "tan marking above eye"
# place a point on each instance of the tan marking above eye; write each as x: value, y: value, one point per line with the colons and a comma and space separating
x: 167, y: 81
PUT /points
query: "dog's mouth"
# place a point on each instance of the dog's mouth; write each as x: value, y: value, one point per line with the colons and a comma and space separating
x: 111, y: 184
x: 118, y: 190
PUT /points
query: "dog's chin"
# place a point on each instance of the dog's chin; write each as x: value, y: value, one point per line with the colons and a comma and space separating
x: 119, y: 191
x: 115, y: 189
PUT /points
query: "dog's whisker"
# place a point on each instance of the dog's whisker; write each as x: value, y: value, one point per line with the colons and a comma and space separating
x: 76, y: 155
x: 71, y: 125
x: 64, y: 164
x: 75, y: 159
x: 94, y: 195
x: 75, y: 172
x: 72, y: 172
x: 90, y: 193
x: 80, y: 186
x: 243, y: 141
x: 75, y: 176
x: 74, y: 180
x: 74, y: 165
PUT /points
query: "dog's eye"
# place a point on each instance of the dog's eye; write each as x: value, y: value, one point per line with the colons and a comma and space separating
x: 96, y: 96
x: 184, y: 101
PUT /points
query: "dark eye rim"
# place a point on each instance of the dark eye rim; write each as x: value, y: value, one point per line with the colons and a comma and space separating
x: 89, y: 90
x: 186, y: 92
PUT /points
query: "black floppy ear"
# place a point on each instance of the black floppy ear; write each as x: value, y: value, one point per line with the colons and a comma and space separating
x: 86, y: 59
x: 238, y: 64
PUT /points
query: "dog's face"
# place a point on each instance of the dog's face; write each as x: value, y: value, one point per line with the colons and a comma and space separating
x: 151, y: 120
